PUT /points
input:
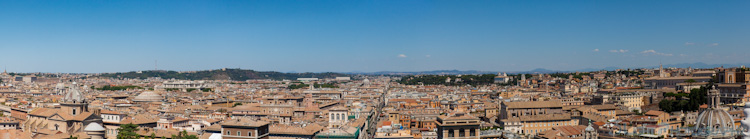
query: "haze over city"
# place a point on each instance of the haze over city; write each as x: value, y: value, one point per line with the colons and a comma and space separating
x: 368, y: 36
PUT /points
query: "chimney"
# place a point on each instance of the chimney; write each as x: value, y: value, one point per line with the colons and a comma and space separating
x: 97, y: 112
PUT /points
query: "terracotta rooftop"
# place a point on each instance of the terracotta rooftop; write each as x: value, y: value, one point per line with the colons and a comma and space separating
x: 533, y: 104
x: 244, y: 122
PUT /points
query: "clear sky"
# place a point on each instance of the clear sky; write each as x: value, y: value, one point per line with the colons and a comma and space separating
x: 368, y: 35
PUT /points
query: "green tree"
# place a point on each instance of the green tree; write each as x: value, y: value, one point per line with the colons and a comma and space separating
x: 236, y: 104
x: 666, y: 105
x: 683, y: 105
x: 72, y: 137
x: 153, y: 136
x: 127, y: 131
x: 682, y: 102
x: 184, y: 135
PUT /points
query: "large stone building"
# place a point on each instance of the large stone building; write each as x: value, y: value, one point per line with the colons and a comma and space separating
x: 732, y: 83
x: 458, y: 126
x: 244, y: 129
x: 337, y: 117
x: 529, y: 108
x: 533, y: 117
x: 502, y: 78
x: 671, y: 82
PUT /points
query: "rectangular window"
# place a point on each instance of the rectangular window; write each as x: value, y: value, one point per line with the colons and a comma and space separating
x: 229, y: 133
x: 239, y: 133
x: 450, y: 133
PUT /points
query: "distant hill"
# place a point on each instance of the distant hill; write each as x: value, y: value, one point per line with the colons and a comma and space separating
x: 226, y: 74
x: 434, y: 72
x: 698, y: 65
x: 454, y: 72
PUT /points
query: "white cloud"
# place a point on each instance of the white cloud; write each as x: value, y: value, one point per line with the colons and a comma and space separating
x: 596, y: 50
x: 689, y: 43
x: 427, y: 56
x: 401, y: 55
x: 715, y: 44
x: 655, y: 53
x: 618, y: 51
x: 683, y: 55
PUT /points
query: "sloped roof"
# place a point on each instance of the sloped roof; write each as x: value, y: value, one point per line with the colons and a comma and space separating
x: 533, y: 104
x: 244, y: 122
x: 655, y: 113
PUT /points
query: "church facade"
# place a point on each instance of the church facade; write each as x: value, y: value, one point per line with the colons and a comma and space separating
x: 71, y: 117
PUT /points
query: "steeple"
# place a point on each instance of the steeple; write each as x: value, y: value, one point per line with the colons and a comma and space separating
x: 661, y: 70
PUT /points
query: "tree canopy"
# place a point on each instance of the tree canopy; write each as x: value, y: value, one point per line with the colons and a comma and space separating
x: 483, y: 79
x: 693, y: 101
x: 127, y: 131
x: 184, y: 135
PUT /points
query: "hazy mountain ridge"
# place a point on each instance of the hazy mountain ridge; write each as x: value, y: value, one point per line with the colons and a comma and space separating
x: 243, y: 74
x: 222, y: 74
x: 698, y: 65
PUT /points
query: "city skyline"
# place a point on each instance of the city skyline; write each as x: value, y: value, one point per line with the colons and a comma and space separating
x: 368, y: 36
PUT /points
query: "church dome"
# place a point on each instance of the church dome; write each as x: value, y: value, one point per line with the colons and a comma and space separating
x: 714, y: 122
x: 148, y: 96
x: 93, y: 127
x: 590, y: 128
x: 73, y: 94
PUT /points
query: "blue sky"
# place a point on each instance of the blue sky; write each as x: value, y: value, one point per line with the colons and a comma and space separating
x: 379, y: 35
